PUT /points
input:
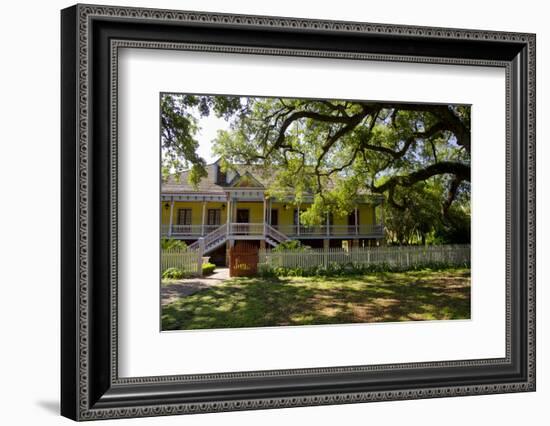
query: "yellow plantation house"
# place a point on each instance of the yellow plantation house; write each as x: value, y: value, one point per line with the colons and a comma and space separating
x: 229, y: 207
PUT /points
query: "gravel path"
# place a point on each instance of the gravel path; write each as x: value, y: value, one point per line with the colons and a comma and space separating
x: 176, y: 289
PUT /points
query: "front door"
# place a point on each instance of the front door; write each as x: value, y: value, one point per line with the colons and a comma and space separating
x: 243, y: 216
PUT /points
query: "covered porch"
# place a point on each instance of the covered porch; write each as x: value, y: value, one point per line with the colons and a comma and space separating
x: 248, y: 214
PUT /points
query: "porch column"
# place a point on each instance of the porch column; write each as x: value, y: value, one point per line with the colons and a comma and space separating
x: 203, y: 216
x: 356, y: 222
x: 228, y: 215
x: 171, y: 217
x: 328, y: 224
x: 265, y: 217
x: 298, y: 220
x: 326, y: 249
x: 381, y: 241
x: 269, y: 208
x: 234, y: 212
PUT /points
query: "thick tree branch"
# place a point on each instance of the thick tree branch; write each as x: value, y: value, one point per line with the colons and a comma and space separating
x: 455, y: 183
x: 448, y: 120
x: 336, y: 107
x: 408, y: 142
x: 434, y: 151
x: 354, y: 121
x: 391, y: 199
x: 306, y: 114
x: 343, y: 166
x: 459, y: 170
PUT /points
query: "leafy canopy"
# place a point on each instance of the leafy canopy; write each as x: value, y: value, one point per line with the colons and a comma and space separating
x: 179, y: 115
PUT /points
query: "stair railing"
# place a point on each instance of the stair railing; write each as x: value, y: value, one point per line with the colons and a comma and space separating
x: 221, y: 231
x: 278, y: 236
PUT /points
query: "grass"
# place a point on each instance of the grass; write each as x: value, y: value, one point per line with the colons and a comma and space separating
x: 282, y: 301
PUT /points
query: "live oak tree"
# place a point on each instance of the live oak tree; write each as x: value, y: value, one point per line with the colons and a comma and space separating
x: 336, y: 150
x: 179, y: 116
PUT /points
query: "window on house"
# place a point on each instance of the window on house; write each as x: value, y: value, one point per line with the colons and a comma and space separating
x: 214, y: 217
x: 184, y: 216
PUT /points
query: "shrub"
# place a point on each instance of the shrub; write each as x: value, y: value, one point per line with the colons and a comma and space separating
x: 291, y: 245
x: 171, y: 243
x: 173, y: 274
x: 348, y: 269
x: 208, y: 268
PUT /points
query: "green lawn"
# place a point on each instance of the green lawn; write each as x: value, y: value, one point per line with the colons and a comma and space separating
x: 374, y: 297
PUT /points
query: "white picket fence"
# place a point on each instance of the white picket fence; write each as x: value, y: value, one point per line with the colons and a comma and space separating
x: 401, y: 256
x: 188, y: 260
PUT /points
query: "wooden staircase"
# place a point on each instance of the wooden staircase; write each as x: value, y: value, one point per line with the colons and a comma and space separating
x: 219, y: 236
x: 273, y: 236
x: 212, y: 240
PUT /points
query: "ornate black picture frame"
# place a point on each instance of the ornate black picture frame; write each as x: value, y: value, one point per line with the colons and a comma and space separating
x: 91, y: 388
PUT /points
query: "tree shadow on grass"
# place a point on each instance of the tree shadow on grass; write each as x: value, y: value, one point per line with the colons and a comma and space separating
x: 244, y: 303
x: 381, y: 297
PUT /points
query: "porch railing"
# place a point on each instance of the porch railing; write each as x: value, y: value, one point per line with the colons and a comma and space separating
x: 371, y: 230
x: 294, y: 231
x: 246, y: 229
x: 188, y: 230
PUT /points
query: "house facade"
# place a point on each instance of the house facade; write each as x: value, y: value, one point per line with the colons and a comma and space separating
x: 230, y: 207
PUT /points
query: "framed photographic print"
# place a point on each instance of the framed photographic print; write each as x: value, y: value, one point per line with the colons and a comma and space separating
x: 263, y: 212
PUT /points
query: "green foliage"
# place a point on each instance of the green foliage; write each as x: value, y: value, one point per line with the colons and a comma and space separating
x: 208, y: 268
x: 419, y: 216
x: 172, y: 244
x: 420, y: 219
x: 351, y: 269
x: 291, y: 245
x: 173, y: 274
x: 341, y: 150
x: 179, y: 128
x: 455, y: 228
